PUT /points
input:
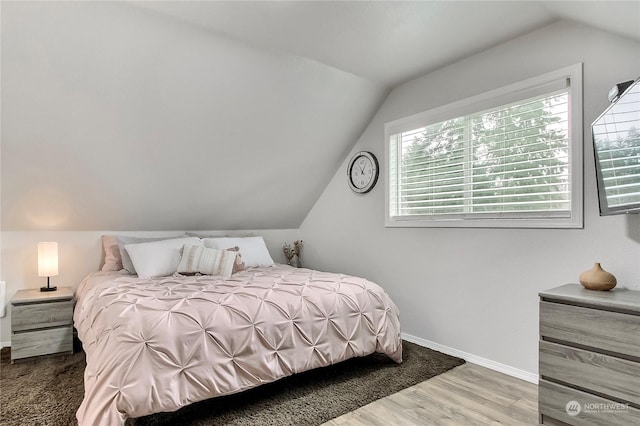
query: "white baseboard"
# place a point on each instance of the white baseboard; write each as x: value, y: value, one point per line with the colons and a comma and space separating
x: 8, y: 343
x: 474, y: 359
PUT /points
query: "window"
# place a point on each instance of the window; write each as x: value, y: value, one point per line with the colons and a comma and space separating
x: 508, y: 158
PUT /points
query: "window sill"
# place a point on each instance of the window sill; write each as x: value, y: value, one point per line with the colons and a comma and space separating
x: 546, y: 223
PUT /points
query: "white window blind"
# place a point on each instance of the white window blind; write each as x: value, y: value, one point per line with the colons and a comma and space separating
x: 508, y: 162
x: 618, y: 150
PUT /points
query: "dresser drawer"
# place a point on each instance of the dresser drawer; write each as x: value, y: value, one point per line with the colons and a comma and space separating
x: 558, y: 401
x: 41, y: 342
x: 41, y: 315
x: 604, y: 374
x: 605, y: 330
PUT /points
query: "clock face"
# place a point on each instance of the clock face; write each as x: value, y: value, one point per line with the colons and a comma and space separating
x: 362, y: 173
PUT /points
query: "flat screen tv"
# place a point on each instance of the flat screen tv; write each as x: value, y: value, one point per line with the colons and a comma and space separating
x: 616, y: 142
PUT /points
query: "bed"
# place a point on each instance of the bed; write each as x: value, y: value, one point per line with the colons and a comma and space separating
x: 154, y: 345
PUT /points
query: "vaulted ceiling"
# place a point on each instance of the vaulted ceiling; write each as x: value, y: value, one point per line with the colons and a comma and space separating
x: 218, y: 115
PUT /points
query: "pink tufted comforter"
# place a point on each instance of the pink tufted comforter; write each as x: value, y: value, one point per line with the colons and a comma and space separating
x: 157, y: 345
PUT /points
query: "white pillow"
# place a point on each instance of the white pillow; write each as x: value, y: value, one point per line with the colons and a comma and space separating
x: 253, y: 249
x: 207, y: 261
x: 123, y: 240
x: 158, y: 258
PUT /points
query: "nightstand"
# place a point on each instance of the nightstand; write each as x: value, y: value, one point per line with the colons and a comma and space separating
x: 41, y: 322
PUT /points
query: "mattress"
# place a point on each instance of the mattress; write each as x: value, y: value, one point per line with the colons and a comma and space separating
x: 155, y: 345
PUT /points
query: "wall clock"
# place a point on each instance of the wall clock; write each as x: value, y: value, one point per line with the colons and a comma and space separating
x: 362, y: 172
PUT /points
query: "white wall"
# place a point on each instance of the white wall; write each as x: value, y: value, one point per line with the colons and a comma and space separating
x: 80, y: 253
x: 475, y: 290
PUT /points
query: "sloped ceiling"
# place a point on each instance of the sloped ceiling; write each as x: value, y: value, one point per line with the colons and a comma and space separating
x: 217, y: 115
x: 391, y: 42
x: 115, y: 118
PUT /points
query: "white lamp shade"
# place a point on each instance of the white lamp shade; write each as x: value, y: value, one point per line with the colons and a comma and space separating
x: 47, y: 259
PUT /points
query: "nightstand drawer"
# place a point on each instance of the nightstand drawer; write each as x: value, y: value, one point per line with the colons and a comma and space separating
x: 607, y: 375
x: 41, y: 315
x: 41, y: 342
x: 558, y: 401
x: 611, y: 331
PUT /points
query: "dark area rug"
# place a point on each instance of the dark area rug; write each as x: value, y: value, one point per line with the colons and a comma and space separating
x: 48, y: 391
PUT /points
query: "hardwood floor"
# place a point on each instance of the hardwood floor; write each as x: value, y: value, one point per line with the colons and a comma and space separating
x: 466, y: 395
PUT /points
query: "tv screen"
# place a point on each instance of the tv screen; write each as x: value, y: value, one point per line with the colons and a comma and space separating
x: 616, y: 142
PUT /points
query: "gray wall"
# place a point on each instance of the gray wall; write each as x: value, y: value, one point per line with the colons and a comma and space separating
x: 475, y: 290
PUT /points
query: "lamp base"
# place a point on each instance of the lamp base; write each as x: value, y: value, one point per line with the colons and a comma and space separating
x: 48, y: 288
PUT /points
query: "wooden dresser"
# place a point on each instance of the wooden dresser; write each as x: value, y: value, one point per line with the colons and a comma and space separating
x: 589, y: 357
x: 41, y: 322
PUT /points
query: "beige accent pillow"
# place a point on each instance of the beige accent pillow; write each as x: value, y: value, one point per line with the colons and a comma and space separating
x: 239, y: 264
x: 112, y: 257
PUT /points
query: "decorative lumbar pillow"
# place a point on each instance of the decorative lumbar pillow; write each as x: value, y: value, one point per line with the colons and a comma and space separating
x: 158, y: 258
x: 207, y: 261
x: 112, y: 257
x: 253, y: 249
x: 123, y: 240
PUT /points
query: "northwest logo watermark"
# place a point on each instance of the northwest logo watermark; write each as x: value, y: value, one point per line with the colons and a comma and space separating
x: 573, y: 408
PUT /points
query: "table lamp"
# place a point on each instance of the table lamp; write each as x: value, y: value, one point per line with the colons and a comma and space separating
x: 48, y: 263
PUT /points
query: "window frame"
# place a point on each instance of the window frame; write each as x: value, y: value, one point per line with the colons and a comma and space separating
x: 494, y: 98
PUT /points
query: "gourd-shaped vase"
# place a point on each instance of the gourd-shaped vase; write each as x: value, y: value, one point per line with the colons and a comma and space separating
x: 597, y: 278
